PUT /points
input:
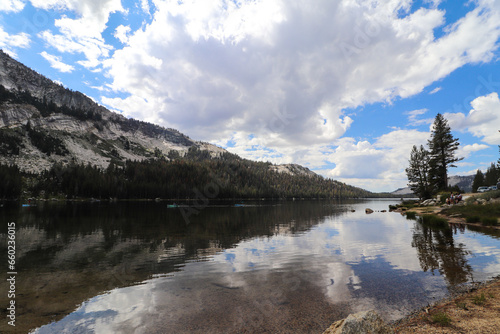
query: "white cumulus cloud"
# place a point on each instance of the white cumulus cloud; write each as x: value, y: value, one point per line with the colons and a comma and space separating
x: 466, y: 150
x: 56, y: 63
x: 11, y: 6
x: 279, y: 70
x: 9, y: 42
x: 482, y: 121
x: 121, y: 33
x: 81, y: 34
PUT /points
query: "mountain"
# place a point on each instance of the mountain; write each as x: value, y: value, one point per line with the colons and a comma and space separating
x: 402, y: 191
x: 80, y: 148
x: 463, y: 182
x: 42, y: 122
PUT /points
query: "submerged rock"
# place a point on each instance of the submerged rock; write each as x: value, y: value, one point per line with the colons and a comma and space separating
x: 362, y: 322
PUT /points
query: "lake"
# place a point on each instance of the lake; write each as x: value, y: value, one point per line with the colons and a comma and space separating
x: 275, y: 267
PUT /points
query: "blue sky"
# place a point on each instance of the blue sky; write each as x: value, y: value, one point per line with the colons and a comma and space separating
x: 342, y: 87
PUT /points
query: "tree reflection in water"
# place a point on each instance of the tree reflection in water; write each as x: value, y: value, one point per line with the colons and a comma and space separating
x: 437, y: 251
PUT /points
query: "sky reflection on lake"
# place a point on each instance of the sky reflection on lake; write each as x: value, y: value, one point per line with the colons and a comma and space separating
x: 298, y: 274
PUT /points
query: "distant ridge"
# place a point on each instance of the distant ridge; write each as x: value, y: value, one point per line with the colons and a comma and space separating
x: 402, y: 191
x: 463, y: 182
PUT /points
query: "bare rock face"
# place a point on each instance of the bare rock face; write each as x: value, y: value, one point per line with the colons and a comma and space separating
x: 367, y: 322
x: 14, y: 115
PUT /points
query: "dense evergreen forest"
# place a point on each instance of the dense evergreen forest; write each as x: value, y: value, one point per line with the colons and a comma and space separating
x: 490, y: 178
x: 193, y: 176
x: 10, y: 182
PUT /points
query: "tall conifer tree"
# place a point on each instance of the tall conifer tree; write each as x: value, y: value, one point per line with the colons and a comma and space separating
x: 418, y: 172
x: 478, y: 181
x: 498, y: 162
x: 442, y: 147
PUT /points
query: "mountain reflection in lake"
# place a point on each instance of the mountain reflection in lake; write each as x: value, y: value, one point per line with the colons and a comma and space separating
x: 267, y: 266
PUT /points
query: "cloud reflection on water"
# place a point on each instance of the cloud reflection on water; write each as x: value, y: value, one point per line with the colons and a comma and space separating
x: 344, y: 264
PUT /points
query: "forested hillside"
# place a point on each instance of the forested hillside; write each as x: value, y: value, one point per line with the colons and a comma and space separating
x: 185, y: 178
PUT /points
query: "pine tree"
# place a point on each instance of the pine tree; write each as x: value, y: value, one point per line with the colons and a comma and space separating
x: 478, y: 181
x: 491, y: 176
x: 442, y: 147
x: 498, y: 162
x: 418, y: 172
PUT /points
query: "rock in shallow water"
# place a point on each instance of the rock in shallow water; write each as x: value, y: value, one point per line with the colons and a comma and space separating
x: 368, y: 322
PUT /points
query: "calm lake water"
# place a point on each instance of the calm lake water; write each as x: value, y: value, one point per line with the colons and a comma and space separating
x: 262, y: 267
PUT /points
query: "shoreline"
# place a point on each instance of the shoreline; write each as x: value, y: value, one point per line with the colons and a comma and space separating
x: 474, y: 309
x: 438, y: 211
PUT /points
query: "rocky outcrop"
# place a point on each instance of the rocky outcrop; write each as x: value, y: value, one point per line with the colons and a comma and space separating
x: 17, y: 77
x: 367, y: 322
x: 12, y: 115
x: 429, y: 202
x: 292, y: 169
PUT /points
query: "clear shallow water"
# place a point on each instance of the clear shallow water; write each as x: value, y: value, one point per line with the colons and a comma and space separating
x: 271, y: 266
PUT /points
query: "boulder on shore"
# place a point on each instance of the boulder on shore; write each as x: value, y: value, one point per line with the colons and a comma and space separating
x: 362, y: 322
x: 429, y: 202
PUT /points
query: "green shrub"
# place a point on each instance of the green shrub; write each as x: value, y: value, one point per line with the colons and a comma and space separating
x: 392, y: 207
x: 495, y: 194
x: 479, y: 300
x: 441, y: 318
x: 489, y: 221
x: 473, y: 219
x: 490, y: 210
x: 444, y: 195
x: 434, y: 221
x: 411, y: 215
x: 409, y: 203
